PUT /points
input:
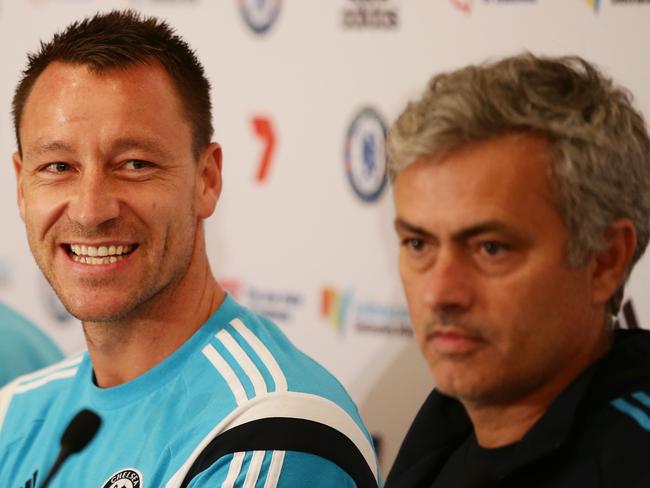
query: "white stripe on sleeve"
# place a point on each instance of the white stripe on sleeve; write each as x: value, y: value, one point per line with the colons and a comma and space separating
x: 57, y: 375
x: 6, y: 394
x: 234, y: 469
x: 273, y: 475
x: 244, y: 361
x: 254, y: 468
x: 61, y: 365
x: 265, y: 355
x: 227, y: 372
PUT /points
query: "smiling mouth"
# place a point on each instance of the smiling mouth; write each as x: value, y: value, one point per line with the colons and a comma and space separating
x: 83, y: 254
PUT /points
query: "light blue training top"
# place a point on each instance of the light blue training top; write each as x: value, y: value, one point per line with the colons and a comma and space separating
x: 237, y: 368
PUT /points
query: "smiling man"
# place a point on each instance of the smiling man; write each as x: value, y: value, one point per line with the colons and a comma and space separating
x: 116, y: 173
x: 522, y: 196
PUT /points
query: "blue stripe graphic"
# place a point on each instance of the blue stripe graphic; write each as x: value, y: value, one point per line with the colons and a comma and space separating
x: 636, y: 413
x: 642, y: 398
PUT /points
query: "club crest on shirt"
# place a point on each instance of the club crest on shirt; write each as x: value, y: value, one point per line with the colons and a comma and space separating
x: 125, y: 478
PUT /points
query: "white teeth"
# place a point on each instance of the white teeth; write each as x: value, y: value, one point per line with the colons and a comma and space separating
x: 94, y: 260
x: 98, y: 255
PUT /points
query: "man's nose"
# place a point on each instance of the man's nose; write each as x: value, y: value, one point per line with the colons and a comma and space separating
x: 94, y: 201
x: 449, y: 283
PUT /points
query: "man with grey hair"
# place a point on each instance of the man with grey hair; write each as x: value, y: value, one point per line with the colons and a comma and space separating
x: 522, y: 195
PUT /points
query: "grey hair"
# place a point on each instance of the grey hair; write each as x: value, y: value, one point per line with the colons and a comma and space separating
x: 599, y: 142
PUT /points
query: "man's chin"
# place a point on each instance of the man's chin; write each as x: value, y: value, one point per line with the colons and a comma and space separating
x: 464, y: 387
x: 95, y: 313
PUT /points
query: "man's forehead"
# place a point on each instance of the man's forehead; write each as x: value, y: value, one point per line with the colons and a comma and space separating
x: 73, y: 73
x: 524, y: 157
x: 66, y: 93
x: 495, y: 181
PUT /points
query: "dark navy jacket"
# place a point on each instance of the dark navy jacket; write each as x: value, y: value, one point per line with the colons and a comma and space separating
x: 596, y: 434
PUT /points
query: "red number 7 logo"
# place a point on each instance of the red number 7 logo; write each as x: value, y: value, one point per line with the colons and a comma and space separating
x: 264, y: 130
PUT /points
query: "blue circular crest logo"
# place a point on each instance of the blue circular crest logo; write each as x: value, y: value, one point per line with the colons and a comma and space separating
x: 260, y: 15
x: 365, y: 154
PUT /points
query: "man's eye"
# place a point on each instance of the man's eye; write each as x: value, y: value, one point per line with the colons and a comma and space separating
x: 493, y: 248
x: 56, y: 167
x: 136, y: 164
x: 414, y: 244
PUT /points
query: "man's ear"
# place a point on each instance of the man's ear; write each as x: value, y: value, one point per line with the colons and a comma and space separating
x: 209, y: 180
x: 611, y: 264
x: 18, y: 169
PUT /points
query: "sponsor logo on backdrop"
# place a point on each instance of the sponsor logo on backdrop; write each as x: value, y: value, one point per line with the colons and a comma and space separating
x: 375, y: 317
x: 260, y: 15
x: 468, y: 5
x: 627, y: 318
x: 594, y: 4
x: 126, y: 478
x: 363, y: 316
x: 274, y: 304
x: 463, y: 5
x: 365, y: 154
x: 335, y: 306
x: 370, y: 14
x: 52, y: 305
x: 278, y: 305
x: 264, y: 130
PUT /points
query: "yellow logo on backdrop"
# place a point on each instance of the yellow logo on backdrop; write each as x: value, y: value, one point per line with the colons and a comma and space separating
x: 594, y: 4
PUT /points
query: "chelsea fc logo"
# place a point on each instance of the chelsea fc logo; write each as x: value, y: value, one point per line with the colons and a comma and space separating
x: 125, y: 478
x: 260, y: 15
x: 365, y: 154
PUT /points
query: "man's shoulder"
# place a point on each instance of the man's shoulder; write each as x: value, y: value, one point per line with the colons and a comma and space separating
x: 614, y: 416
x: 29, y: 397
x: 264, y: 394
x: 255, y: 357
x: 616, y: 438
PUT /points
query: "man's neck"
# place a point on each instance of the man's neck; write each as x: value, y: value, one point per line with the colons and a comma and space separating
x: 501, y: 425
x: 123, y: 350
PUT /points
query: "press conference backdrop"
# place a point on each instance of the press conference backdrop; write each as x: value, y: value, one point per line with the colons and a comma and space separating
x: 303, y: 91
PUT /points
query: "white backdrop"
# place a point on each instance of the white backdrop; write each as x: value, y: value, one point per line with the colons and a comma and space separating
x: 289, y: 78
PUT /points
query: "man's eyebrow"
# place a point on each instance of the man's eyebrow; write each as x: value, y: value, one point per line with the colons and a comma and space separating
x: 50, y: 146
x: 121, y: 144
x: 149, y: 145
x: 402, y: 225
x: 461, y: 235
x: 481, y: 228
